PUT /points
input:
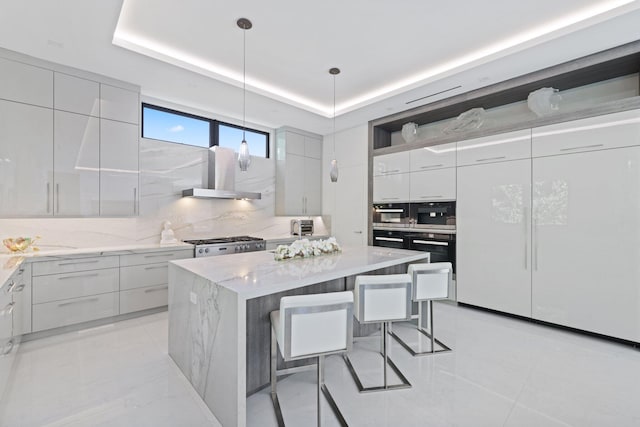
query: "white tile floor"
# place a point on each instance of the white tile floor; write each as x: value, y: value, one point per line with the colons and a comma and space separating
x: 502, y: 372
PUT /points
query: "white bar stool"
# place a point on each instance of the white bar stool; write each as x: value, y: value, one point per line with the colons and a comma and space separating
x: 382, y: 299
x: 311, y: 326
x: 430, y: 282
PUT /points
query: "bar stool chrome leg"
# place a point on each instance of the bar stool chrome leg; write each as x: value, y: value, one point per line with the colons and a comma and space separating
x: 429, y: 334
x: 387, y: 362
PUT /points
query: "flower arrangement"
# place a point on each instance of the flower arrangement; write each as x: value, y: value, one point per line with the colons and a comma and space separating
x: 21, y: 244
x: 305, y: 248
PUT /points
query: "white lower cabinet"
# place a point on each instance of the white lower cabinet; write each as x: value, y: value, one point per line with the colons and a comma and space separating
x: 63, y: 286
x: 21, y: 295
x: 143, y: 298
x: 586, y: 246
x: 7, y: 342
x: 493, y: 236
x: 76, y: 310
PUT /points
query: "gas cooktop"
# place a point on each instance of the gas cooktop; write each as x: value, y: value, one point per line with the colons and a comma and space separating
x: 227, y: 245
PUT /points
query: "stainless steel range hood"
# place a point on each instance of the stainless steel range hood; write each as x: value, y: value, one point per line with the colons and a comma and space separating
x: 221, y: 178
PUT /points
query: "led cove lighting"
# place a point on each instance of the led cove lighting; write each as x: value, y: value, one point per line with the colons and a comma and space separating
x: 146, y: 46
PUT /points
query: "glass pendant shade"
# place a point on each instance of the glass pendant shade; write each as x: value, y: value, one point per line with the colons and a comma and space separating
x: 333, y: 171
x: 244, y: 159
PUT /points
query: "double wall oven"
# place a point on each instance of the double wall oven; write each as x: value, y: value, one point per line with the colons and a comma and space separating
x: 427, y: 226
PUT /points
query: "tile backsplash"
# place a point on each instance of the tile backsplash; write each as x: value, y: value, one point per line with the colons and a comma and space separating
x: 165, y: 170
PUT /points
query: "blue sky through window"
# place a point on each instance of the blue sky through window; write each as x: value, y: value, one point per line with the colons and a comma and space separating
x: 172, y: 127
x: 231, y: 137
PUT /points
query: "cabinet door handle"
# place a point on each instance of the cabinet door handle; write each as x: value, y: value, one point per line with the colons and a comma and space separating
x: 431, y: 166
x: 78, y: 276
x: 391, y: 171
x: 390, y: 198
x: 57, y: 198
x: 535, y: 243
x: 10, y: 286
x: 491, y: 158
x: 148, y: 291
x: 430, y: 197
x: 78, y: 262
x: 18, y: 289
x: 6, y: 350
x: 158, y: 256
x: 581, y: 147
x: 8, y: 309
x: 135, y: 195
x: 48, y: 197
x: 78, y: 302
x: 156, y: 267
x: 525, y: 222
x: 358, y: 232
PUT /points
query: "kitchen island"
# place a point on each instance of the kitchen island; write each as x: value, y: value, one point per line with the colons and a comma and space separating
x: 218, y: 314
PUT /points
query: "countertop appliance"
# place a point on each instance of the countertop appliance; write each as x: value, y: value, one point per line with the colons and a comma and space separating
x: 301, y: 227
x: 227, y: 245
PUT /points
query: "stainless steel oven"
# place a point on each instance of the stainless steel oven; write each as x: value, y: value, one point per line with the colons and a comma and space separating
x: 391, y: 215
x: 390, y: 239
x: 439, y: 215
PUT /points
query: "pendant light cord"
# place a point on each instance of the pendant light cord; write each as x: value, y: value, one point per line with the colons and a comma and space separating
x: 244, y: 82
x: 334, y: 115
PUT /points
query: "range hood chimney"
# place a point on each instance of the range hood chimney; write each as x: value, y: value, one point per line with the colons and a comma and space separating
x: 221, y: 178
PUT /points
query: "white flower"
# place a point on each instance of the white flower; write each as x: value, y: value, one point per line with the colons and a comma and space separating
x: 304, y: 248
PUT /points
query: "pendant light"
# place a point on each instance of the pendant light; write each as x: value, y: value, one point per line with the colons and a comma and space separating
x: 244, y: 159
x: 333, y: 170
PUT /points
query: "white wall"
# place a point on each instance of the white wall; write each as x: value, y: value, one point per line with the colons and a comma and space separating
x: 165, y: 170
x: 344, y: 203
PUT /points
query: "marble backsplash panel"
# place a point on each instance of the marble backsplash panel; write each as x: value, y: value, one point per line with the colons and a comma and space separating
x: 165, y: 170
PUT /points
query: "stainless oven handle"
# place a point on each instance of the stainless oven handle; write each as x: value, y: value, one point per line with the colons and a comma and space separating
x: 388, y: 239
x: 430, y: 242
x: 390, y: 210
x: 390, y: 198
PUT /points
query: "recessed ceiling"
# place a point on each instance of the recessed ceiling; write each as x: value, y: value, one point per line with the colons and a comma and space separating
x: 383, y: 48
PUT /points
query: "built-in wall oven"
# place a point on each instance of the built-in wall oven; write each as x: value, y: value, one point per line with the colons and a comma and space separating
x: 441, y: 246
x: 390, y: 239
x: 391, y: 215
x: 438, y: 215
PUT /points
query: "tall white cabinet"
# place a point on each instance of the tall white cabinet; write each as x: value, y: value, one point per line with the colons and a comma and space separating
x: 493, y: 228
x: 298, y: 173
x: 586, y: 225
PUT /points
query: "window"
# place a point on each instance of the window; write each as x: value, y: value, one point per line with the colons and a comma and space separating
x: 230, y: 136
x: 175, y: 126
x: 168, y: 125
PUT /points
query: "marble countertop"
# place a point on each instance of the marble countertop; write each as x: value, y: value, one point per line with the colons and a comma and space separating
x: 10, y: 262
x: 256, y: 274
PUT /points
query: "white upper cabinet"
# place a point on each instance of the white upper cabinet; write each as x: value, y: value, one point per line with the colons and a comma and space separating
x: 433, y: 185
x: 594, y: 133
x: 391, y: 188
x: 26, y: 160
x: 495, y: 148
x: 119, y: 104
x: 298, y: 173
x: 76, y: 164
x: 26, y: 83
x: 118, y: 168
x: 434, y: 157
x: 391, y: 163
x: 76, y: 95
